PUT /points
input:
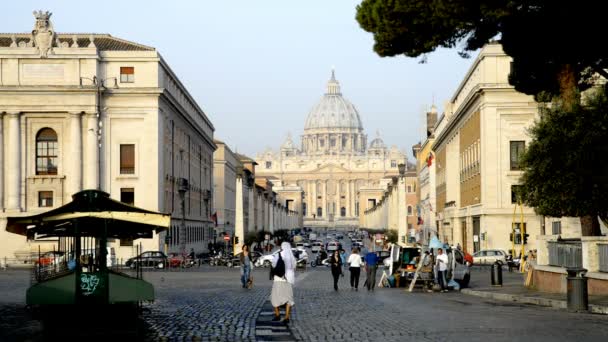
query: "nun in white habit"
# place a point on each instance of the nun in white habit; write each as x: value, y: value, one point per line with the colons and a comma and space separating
x: 282, y: 287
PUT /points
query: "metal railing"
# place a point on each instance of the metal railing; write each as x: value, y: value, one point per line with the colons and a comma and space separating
x: 603, y: 256
x: 566, y: 254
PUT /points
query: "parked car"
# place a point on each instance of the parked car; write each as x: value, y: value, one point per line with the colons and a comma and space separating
x: 148, y: 259
x: 339, y: 236
x: 51, y: 258
x: 306, y: 243
x: 300, y: 245
x: 490, y: 256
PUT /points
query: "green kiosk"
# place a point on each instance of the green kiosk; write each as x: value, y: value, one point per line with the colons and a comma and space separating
x: 79, y: 285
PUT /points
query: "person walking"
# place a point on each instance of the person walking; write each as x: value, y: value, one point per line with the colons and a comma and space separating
x: 284, y: 265
x: 336, y: 267
x: 354, y: 261
x: 442, y: 269
x: 343, y: 258
x: 246, y: 266
x: 371, y: 265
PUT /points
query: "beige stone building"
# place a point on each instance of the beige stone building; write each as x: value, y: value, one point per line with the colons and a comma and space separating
x: 225, y: 168
x: 334, y: 175
x: 477, y: 147
x: 87, y: 111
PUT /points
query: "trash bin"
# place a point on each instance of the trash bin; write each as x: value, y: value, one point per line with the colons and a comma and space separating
x: 577, y: 289
x: 496, y: 274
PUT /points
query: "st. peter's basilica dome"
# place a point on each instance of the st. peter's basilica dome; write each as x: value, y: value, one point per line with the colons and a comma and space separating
x: 333, y: 111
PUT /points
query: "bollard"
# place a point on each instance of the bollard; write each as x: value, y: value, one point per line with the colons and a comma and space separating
x: 578, y: 299
x: 496, y: 274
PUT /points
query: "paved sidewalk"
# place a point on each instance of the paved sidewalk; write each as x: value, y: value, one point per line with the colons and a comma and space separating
x: 513, y: 290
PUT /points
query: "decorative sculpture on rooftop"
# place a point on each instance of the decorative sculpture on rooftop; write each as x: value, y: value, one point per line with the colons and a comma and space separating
x: 43, y: 34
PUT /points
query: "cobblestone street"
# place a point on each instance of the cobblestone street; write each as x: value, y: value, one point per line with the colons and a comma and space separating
x: 209, y: 304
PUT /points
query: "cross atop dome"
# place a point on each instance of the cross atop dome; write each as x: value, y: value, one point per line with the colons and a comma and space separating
x: 333, y: 86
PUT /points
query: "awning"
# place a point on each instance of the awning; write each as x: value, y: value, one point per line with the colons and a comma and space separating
x: 89, y: 213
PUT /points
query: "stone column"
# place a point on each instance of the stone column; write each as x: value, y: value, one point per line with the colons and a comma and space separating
x: 352, y: 198
x: 314, y: 198
x: 348, y: 199
x: 271, y: 222
x: 239, y: 228
x: 251, y: 211
x: 13, y: 163
x: 309, y: 203
x: 325, y: 209
x: 2, y: 172
x: 74, y: 171
x: 402, y: 210
x: 91, y: 180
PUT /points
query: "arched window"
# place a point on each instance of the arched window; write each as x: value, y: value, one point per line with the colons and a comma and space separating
x: 319, y: 212
x: 46, y: 152
x: 342, y: 211
x: 303, y: 209
x: 409, y: 210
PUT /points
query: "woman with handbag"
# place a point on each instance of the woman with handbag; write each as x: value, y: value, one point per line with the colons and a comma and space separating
x: 336, y: 267
x: 283, y: 268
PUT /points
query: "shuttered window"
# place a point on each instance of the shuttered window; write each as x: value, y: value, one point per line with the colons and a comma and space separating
x: 127, y: 74
x: 127, y: 159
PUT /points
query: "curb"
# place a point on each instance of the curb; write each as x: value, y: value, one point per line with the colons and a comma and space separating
x: 553, y: 303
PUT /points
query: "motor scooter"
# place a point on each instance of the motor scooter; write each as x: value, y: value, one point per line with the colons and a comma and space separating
x: 321, y: 259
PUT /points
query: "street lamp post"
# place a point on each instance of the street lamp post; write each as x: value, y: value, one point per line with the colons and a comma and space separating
x: 100, y: 85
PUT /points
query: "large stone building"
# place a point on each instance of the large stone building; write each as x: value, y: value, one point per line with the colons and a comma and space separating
x: 92, y: 111
x: 334, y: 175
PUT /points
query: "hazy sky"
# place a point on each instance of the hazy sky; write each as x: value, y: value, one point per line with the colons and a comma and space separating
x: 258, y: 67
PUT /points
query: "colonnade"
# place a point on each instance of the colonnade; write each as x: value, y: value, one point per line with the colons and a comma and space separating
x: 391, y: 211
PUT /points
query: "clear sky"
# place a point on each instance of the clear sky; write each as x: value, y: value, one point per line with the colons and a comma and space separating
x: 258, y: 67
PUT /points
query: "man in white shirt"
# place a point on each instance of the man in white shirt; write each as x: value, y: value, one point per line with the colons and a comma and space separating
x: 442, y: 269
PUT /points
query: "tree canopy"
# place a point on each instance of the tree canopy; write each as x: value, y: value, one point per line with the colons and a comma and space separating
x: 556, y: 56
x: 554, y: 44
x: 566, y: 169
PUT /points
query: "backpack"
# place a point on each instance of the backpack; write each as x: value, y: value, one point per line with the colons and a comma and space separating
x: 279, y: 269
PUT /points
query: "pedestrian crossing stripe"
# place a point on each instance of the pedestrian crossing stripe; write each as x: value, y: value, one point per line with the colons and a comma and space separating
x: 268, y: 330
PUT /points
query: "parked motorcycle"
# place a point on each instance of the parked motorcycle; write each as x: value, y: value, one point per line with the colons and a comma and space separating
x: 321, y: 259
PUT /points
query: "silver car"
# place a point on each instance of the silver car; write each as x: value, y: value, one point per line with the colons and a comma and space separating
x: 490, y: 256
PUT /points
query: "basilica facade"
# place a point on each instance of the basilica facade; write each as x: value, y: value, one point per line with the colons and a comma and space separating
x: 334, y: 175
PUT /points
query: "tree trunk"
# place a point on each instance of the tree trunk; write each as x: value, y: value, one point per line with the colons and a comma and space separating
x: 590, y: 226
x: 568, y: 86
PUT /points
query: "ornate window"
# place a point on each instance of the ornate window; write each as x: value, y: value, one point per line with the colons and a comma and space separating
x: 409, y: 210
x: 319, y: 212
x: 343, y: 211
x: 46, y: 152
x: 268, y: 164
x: 393, y: 163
